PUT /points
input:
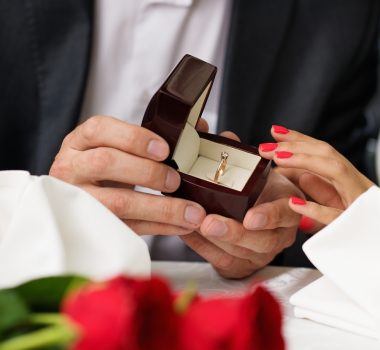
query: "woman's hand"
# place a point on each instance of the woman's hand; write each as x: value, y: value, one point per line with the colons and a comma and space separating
x: 322, y: 173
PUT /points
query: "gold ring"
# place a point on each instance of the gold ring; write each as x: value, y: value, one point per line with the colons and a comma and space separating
x: 221, y: 167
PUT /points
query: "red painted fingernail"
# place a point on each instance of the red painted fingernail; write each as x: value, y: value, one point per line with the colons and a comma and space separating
x: 280, y: 129
x: 297, y: 200
x: 267, y: 147
x: 306, y: 224
x: 283, y: 154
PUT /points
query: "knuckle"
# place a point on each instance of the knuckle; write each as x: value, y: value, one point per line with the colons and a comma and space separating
x: 132, y: 136
x: 224, y: 261
x: 289, y: 240
x: 133, y: 225
x: 262, y: 260
x: 305, y: 158
x: 329, y: 151
x: 118, y: 204
x: 236, y: 236
x: 276, y: 215
x: 285, y: 238
x: 269, y: 243
x: 244, y: 253
x: 100, y: 159
x: 235, y: 233
x: 338, y: 167
x: 60, y: 168
x: 166, y: 211
x: 153, y: 174
x: 67, y: 139
x: 91, y: 128
x: 326, y: 148
x: 149, y: 173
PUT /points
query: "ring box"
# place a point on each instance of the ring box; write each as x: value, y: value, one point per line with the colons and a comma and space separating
x: 173, y: 113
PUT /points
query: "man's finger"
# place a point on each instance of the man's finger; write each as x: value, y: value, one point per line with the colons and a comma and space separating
x: 132, y: 205
x: 219, y: 228
x: 225, y: 264
x: 257, y: 259
x: 230, y: 135
x: 110, y: 132
x: 281, y: 133
x: 102, y: 163
x: 270, y: 215
x: 202, y: 125
x: 156, y: 228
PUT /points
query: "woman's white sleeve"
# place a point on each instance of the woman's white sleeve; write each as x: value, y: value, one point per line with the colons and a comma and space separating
x: 347, y: 251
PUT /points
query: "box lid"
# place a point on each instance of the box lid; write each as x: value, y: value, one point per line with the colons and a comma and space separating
x: 180, y: 100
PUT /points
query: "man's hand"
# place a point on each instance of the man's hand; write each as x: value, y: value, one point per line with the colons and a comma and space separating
x: 108, y: 157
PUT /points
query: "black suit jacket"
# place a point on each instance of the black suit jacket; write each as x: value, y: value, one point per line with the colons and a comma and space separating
x: 306, y: 64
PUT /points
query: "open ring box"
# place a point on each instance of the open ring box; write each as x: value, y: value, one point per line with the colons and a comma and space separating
x: 173, y: 113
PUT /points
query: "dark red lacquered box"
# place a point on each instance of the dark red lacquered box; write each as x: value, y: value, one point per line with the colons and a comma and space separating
x: 173, y: 113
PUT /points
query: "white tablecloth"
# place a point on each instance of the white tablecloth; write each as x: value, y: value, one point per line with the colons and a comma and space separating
x: 300, y: 334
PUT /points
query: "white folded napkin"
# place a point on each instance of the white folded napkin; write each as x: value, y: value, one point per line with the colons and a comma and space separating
x: 323, y: 302
x: 48, y: 227
x: 347, y: 252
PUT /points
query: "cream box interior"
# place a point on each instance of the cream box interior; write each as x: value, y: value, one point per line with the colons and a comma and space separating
x: 200, y: 157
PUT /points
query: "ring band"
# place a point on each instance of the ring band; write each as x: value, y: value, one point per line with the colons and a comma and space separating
x: 221, y: 167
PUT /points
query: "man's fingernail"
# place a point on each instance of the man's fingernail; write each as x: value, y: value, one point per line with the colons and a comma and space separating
x: 194, y: 215
x: 280, y: 129
x: 216, y: 229
x: 267, y: 147
x: 172, y: 180
x: 158, y: 149
x: 297, y: 200
x: 257, y: 221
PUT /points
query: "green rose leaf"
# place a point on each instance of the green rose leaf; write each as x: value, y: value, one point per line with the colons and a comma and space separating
x: 46, y: 294
x: 13, y: 310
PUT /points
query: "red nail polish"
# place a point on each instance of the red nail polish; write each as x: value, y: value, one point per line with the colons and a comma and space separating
x: 297, y: 200
x: 283, y: 154
x: 267, y: 147
x: 280, y: 129
x: 306, y: 224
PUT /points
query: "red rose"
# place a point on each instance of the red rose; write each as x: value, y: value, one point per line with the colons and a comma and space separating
x: 104, y: 313
x: 156, y: 324
x: 249, y: 323
x: 139, y: 315
x: 124, y: 313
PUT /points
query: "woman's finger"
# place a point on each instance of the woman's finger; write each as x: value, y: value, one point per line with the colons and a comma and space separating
x: 320, y: 190
x: 309, y: 225
x: 269, y: 150
x: 315, y: 211
x: 281, y: 133
x: 346, y: 179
